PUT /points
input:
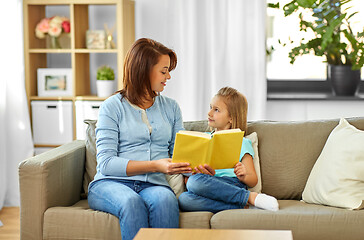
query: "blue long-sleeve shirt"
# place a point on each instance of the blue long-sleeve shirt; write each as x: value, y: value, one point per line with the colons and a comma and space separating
x: 121, y: 136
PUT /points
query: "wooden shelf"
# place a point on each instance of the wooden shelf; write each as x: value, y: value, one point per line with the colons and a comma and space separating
x: 89, y: 98
x: 37, y: 55
x: 85, y: 50
x: 59, y: 98
x: 45, y: 146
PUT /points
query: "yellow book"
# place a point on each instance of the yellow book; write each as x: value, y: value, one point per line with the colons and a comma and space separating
x: 219, y: 150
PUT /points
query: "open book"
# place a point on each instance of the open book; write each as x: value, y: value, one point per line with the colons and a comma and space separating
x: 219, y: 150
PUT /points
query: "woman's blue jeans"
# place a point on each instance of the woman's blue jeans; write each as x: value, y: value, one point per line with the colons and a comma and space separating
x: 137, y: 204
x: 213, y: 194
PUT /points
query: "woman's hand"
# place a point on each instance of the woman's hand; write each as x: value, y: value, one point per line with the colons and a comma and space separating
x: 165, y: 165
x: 205, y: 169
x: 240, y: 171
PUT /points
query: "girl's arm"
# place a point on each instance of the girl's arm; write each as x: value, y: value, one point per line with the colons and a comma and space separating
x: 245, y: 171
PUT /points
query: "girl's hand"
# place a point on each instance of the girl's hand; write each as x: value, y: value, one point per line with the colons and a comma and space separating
x: 205, y: 169
x: 165, y: 165
x: 240, y: 171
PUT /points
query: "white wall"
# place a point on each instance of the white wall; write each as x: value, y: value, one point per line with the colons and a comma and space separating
x: 293, y: 110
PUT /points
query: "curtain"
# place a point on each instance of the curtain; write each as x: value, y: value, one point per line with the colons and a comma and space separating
x: 218, y: 43
x: 15, y: 135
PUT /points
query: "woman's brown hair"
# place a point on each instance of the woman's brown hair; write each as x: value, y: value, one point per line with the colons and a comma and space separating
x: 138, y: 63
x: 237, y: 106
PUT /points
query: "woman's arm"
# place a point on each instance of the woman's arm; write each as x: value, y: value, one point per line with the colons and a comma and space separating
x: 162, y: 165
x: 245, y: 171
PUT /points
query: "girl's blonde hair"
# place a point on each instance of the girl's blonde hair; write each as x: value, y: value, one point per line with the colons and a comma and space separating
x: 237, y: 106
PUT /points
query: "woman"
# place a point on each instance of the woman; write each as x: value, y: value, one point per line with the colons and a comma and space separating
x: 134, y: 138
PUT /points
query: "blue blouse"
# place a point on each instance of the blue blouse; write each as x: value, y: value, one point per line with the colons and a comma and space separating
x: 121, y: 136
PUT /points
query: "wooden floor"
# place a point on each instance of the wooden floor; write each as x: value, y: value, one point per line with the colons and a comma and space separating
x: 10, y: 230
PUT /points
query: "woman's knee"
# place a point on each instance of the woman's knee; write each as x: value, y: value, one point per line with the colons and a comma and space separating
x: 159, y: 198
x: 167, y: 198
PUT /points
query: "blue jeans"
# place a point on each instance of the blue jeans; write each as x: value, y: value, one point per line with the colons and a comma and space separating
x: 136, y: 204
x: 213, y: 194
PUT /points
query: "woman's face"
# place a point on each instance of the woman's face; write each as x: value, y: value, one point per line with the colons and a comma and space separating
x: 159, y: 74
x: 218, y: 116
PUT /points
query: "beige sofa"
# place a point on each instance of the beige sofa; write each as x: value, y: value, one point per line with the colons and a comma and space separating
x: 52, y: 207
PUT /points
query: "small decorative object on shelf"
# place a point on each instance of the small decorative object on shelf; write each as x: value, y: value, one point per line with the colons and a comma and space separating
x: 95, y: 39
x: 55, y: 82
x: 105, y: 83
x: 54, y: 27
x: 109, y: 39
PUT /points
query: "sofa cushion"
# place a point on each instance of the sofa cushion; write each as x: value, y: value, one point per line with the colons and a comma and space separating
x: 80, y: 222
x: 288, y: 151
x: 337, y: 178
x: 177, y: 183
x: 90, y: 165
x: 254, y: 138
x: 307, y: 221
x: 195, y: 219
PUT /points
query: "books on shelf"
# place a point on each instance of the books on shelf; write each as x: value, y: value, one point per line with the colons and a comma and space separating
x: 219, y: 150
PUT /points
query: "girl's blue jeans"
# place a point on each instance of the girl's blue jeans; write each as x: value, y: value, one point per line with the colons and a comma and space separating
x: 213, y: 194
x: 137, y: 204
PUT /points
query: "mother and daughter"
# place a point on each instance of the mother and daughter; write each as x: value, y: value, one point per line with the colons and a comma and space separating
x: 135, y: 137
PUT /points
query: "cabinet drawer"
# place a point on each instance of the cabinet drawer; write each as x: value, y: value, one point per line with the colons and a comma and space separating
x: 85, y: 110
x: 52, y: 122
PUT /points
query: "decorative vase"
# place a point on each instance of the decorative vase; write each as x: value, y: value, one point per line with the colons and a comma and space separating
x: 105, y: 88
x: 344, y: 81
x: 54, y: 43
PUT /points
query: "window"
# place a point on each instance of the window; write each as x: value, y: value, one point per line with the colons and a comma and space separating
x: 306, y: 67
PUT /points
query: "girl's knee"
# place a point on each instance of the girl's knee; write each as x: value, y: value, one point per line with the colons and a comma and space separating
x: 184, y: 199
x: 195, y: 182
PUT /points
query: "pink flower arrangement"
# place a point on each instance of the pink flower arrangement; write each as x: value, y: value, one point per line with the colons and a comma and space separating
x: 54, y: 26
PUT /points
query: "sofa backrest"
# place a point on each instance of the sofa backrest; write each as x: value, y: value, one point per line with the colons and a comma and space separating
x: 288, y: 151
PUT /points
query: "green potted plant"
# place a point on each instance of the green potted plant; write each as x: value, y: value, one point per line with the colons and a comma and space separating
x: 105, y: 83
x: 333, y: 38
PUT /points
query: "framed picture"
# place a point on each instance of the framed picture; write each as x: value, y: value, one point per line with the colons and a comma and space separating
x: 55, y: 82
x: 95, y: 39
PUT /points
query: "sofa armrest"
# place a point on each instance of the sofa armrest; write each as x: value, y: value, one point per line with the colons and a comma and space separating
x: 53, y: 178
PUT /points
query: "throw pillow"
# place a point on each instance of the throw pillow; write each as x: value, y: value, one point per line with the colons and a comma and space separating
x: 254, y: 138
x: 177, y: 183
x: 90, y: 165
x: 337, y: 178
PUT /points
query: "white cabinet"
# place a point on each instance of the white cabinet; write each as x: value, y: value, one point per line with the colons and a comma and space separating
x: 52, y: 122
x: 85, y: 110
x: 39, y: 150
x: 294, y: 110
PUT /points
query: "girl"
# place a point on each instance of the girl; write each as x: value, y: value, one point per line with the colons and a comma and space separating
x: 216, y: 190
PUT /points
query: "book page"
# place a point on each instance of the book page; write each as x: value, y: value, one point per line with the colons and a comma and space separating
x: 225, y: 149
x: 195, y: 133
x: 227, y: 131
x: 190, y: 148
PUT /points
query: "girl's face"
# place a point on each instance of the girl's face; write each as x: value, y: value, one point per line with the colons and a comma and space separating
x: 218, y: 116
x: 159, y: 74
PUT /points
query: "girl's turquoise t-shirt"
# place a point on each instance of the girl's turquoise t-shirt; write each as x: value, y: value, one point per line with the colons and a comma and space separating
x: 246, y: 147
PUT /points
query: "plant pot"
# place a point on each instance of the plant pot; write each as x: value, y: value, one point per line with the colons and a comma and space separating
x: 344, y: 81
x: 105, y: 88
